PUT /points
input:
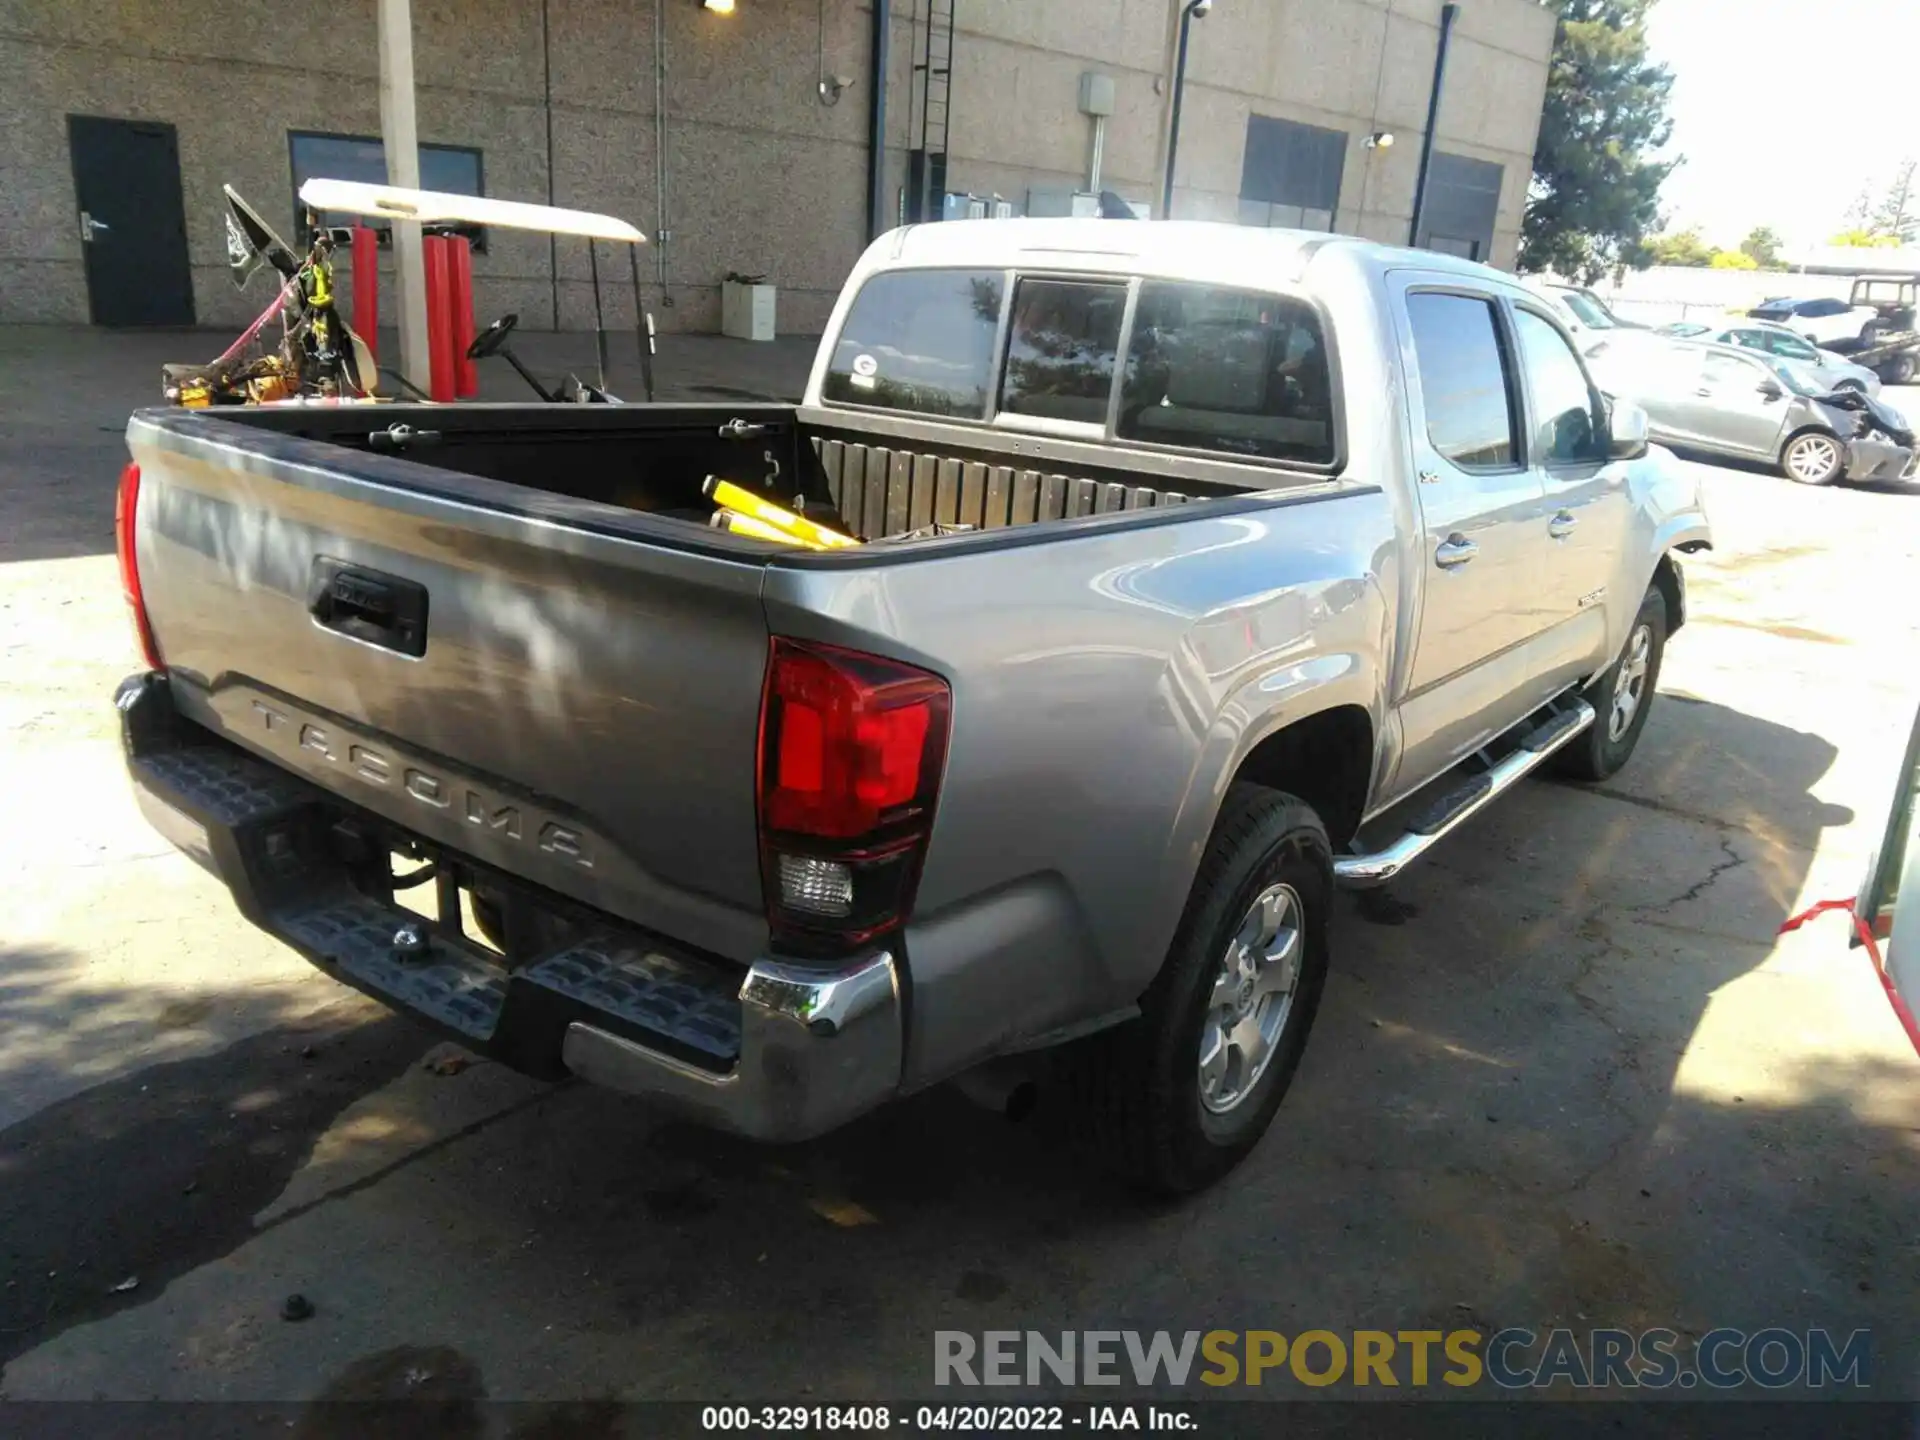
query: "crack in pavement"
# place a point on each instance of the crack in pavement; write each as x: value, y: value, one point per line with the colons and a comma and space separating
x: 1694, y: 891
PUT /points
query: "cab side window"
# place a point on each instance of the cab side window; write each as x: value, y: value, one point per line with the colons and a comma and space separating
x: 1466, y: 379
x: 1567, y: 408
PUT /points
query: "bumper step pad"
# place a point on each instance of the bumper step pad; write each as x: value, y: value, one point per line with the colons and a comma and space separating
x: 696, y: 1006
x: 447, y: 983
x: 271, y: 832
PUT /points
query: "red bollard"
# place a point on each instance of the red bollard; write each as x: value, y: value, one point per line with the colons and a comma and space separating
x: 366, y: 289
x: 439, y: 318
x: 466, y: 381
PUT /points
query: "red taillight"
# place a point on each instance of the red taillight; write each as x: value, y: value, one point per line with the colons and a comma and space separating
x: 851, y: 750
x: 125, y: 509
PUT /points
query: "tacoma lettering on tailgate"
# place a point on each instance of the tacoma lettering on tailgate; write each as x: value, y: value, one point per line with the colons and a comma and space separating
x: 373, y: 766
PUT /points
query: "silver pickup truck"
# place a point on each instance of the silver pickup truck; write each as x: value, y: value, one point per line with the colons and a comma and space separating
x: 1206, y: 568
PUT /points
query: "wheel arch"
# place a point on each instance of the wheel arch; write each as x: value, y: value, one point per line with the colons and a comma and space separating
x: 1326, y: 759
x: 1673, y: 589
x: 1815, y: 428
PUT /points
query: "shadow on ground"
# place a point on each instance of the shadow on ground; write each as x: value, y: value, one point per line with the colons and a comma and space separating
x: 1504, y: 1119
x: 149, y: 1176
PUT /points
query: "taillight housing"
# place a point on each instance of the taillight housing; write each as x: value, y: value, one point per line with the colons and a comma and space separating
x: 852, y: 747
x: 126, y: 508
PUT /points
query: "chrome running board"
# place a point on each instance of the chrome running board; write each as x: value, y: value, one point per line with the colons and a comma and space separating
x: 1455, y: 806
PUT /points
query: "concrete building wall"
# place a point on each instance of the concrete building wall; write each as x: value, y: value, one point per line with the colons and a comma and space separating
x: 761, y: 177
x: 1354, y: 65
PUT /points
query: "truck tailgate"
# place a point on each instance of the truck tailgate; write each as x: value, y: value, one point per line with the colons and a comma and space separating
x: 582, y: 711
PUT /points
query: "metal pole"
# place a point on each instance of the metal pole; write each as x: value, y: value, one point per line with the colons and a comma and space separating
x: 599, y: 321
x: 877, y: 119
x: 1448, y: 13
x: 1173, y: 120
x: 1099, y: 154
x: 401, y: 141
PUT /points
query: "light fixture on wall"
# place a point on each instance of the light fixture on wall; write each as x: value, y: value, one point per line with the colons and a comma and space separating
x: 1380, y: 140
x: 719, y: 7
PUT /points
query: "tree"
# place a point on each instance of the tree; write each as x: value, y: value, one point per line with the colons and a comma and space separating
x: 1857, y: 239
x: 1682, y: 247
x: 1734, y: 260
x: 1596, y: 188
x: 1763, y: 246
x: 1898, y: 213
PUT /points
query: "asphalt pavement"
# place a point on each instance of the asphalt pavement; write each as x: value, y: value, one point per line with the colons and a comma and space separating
x: 1570, y: 1076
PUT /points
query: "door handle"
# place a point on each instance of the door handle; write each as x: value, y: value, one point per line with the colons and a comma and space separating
x: 1455, y: 550
x: 1704, y: 394
x: 89, y: 227
x: 1562, y: 525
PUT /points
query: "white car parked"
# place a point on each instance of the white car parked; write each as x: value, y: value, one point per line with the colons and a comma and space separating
x: 1822, y: 321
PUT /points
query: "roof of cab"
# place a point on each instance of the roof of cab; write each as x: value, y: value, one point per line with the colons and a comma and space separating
x: 1227, y: 252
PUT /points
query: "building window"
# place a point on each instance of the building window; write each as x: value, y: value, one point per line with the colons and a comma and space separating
x: 1462, y: 202
x: 1290, y: 174
x: 454, y: 169
x: 1466, y: 382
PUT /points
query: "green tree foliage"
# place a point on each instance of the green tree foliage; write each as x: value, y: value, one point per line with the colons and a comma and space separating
x: 1762, y: 245
x: 1596, y: 188
x: 1682, y: 247
x: 1734, y: 260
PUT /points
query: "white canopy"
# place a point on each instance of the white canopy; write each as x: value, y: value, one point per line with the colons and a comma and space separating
x: 436, y: 207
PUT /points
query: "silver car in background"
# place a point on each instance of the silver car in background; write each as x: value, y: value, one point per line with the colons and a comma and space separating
x: 1820, y: 367
x: 1727, y: 400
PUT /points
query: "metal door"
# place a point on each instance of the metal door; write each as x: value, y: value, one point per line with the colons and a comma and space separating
x: 132, y: 223
x: 1739, y: 405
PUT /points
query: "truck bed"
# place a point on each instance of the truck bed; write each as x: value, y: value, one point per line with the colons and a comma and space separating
x: 652, y: 460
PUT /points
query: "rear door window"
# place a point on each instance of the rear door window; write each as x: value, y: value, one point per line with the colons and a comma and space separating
x: 1234, y: 371
x: 1466, y: 379
x: 920, y: 341
x: 1061, y: 349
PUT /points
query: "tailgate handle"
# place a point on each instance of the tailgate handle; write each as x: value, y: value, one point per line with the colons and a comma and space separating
x: 368, y: 605
x: 738, y: 429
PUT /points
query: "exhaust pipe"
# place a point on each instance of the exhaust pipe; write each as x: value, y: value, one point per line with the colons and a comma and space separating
x: 1003, y: 1087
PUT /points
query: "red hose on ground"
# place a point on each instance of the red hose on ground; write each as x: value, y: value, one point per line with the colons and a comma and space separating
x: 1865, y: 933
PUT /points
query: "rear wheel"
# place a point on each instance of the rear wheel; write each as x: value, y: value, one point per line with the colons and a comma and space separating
x: 1899, y: 370
x: 1178, y: 1097
x: 1622, y: 697
x: 1813, y: 458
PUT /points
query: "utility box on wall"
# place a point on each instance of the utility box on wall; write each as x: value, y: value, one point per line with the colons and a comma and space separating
x: 747, y: 310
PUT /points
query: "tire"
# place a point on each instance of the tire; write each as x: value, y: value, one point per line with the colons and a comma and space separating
x: 1813, y: 457
x: 1858, y: 387
x: 1607, y: 744
x: 1135, y: 1094
x: 1899, y: 370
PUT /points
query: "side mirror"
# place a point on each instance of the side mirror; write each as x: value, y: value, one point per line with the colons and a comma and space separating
x: 1626, y: 431
x: 1770, y: 390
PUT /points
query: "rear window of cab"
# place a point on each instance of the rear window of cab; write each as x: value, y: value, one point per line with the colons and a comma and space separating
x: 1238, y: 373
